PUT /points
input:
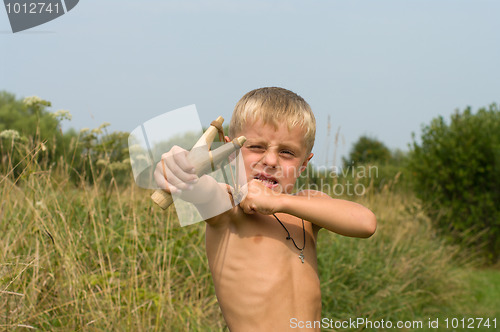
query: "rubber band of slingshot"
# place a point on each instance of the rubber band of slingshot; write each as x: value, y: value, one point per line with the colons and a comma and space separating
x: 217, y: 125
x: 164, y: 172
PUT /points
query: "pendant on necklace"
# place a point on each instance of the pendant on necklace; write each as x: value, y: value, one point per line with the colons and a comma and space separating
x: 301, y: 256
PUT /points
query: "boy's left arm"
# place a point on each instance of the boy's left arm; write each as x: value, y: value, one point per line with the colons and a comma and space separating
x: 336, y: 215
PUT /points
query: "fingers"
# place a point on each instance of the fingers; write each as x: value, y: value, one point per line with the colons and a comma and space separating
x: 248, y: 203
x: 246, y: 206
x: 259, y: 198
x: 160, y: 179
x: 174, y: 172
x: 178, y: 169
x: 179, y: 158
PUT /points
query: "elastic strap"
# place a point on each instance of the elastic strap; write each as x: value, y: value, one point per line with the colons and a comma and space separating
x: 218, y: 126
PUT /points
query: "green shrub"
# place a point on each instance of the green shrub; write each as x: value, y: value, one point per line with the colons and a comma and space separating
x: 373, y: 165
x: 28, y: 128
x: 367, y: 150
x: 456, y: 171
x: 30, y: 133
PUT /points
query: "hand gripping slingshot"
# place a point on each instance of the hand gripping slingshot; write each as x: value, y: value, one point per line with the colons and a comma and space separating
x: 205, y: 160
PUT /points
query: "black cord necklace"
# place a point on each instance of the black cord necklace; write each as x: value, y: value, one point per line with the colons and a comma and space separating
x: 301, y: 256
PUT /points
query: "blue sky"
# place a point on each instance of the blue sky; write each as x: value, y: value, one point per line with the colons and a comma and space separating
x: 381, y: 68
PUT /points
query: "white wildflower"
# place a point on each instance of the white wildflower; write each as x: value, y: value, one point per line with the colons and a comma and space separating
x: 33, y: 100
x: 118, y: 166
x: 96, y: 131
x: 62, y: 115
x: 136, y: 149
x: 104, y: 125
x: 10, y: 134
x: 141, y: 157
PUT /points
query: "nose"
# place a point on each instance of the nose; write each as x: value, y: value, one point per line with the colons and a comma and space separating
x: 270, y: 158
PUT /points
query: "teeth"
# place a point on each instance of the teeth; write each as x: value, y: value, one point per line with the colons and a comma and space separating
x: 266, y: 180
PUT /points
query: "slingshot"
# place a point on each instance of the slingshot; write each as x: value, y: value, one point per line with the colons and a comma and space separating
x: 204, y: 160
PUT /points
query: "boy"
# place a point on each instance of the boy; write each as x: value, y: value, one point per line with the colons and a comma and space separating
x: 262, y: 253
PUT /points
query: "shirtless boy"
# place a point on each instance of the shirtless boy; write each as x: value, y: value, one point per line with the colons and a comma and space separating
x: 264, y: 281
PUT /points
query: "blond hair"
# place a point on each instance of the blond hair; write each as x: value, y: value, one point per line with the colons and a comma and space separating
x: 274, y: 106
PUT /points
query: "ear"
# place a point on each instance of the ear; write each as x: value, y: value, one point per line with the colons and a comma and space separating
x: 306, y: 161
x: 227, y: 139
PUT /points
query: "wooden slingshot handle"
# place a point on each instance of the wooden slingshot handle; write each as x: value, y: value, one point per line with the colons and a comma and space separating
x: 162, y: 198
x: 202, y: 160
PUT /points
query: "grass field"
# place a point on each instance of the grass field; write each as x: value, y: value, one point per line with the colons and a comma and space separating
x: 479, y: 308
x: 485, y: 287
x: 102, y: 257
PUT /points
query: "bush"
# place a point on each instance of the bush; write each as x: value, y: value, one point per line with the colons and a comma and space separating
x: 456, y: 171
x: 367, y: 150
x: 27, y: 128
x: 373, y: 165
x: 30, y: 133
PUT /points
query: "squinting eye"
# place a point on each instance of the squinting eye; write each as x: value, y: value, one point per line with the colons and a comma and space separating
x: 256, y: 147
x: 288, y: 152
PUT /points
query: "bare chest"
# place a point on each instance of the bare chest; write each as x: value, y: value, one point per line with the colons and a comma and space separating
x: 262, y: 240
x: 257, y: 272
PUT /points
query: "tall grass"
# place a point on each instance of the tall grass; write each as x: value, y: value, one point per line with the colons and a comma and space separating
x: 403, y: 272
x: 100, y: 256
x: 97, y: 256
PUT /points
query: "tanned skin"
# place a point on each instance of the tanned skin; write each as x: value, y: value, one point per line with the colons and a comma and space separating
x: 260, y: 281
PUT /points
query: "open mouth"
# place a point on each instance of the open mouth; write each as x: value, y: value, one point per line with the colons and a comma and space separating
x: 268, y: 181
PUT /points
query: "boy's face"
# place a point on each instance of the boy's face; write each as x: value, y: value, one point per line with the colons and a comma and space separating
x: 274, y: 156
